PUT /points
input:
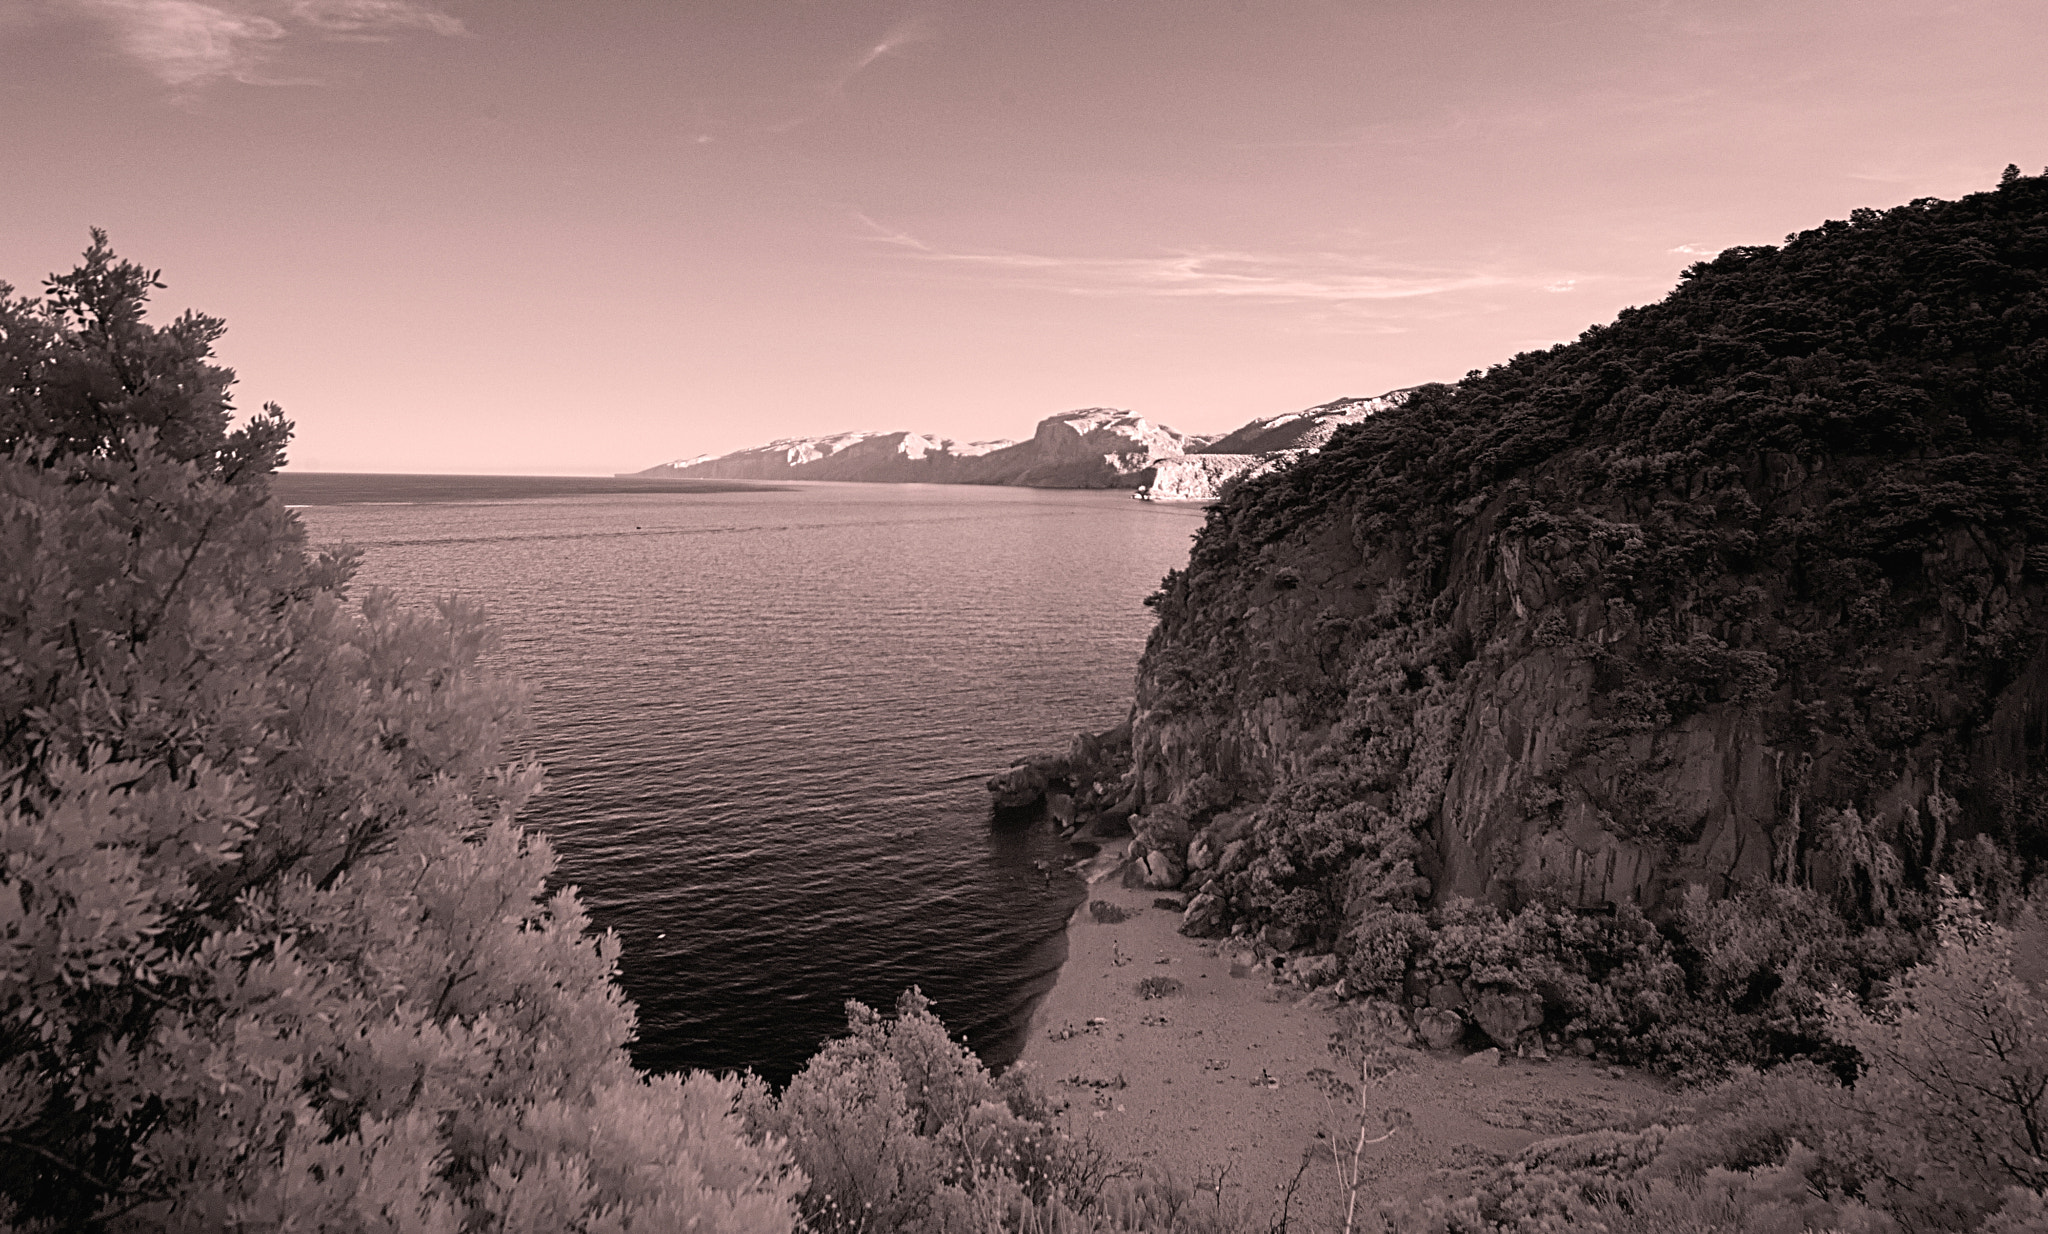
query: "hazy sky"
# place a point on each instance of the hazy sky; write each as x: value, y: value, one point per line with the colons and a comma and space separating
x: 524, y: 236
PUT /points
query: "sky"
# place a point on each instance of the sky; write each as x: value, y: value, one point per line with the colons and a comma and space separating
x: 535, y: 237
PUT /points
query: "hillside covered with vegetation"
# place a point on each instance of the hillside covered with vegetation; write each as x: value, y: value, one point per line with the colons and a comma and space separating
x: 1650, y: 695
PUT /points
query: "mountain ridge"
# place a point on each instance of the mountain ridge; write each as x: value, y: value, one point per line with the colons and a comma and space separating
x: 1090, y: 447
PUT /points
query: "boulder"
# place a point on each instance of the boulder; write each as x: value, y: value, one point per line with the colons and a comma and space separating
x: 1203, y: 918
x: 1488, y: 1057
x: 1505, y: 1014
x: 1018, y: 787
x: 1446, y: 996
x: 1438, y: 1028
x: 1279, y: 937
x: 1201, y: 854
x: 1162, y: 872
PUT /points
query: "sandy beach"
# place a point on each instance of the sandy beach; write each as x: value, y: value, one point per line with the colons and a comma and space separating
x: 1176, y: 1055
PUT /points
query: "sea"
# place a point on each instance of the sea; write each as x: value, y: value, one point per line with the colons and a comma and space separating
x: 768, y: 712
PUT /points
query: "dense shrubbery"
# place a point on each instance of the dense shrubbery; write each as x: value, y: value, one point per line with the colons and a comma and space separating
x: 1944, y: 1128
x: 272, y: 950
x: 899, y: 1128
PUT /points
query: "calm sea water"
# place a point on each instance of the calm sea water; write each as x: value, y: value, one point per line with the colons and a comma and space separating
x: 767, y: 716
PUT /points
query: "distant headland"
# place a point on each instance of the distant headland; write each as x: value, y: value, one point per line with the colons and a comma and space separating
x: 1096, y: 447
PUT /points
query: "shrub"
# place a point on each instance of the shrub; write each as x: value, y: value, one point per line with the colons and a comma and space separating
x: 272, y: 948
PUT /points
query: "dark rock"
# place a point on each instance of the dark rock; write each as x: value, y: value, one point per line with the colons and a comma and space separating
x: 1018, y: 787
x: 1107, y: 913
x: 1169, y: 904
x: 1446, y: 996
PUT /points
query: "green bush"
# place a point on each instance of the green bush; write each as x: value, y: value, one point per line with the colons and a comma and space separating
x: 1943, y: 1128
x: 899, y: 1128
x: 273, y: 950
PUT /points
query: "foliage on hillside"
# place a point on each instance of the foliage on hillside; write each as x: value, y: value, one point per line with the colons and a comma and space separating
x: 1805, y: 496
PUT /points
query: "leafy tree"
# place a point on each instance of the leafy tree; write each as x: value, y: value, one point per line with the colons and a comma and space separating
x: 273, y: 951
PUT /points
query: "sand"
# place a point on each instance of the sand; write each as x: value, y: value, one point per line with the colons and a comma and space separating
x: 1231, y: 1079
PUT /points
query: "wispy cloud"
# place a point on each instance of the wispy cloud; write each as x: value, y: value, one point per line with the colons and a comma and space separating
x: 374, y: 18
x: 828, y: 92
x: 189, y: 43
x: 1330, y: 278
x: 1696, y: 250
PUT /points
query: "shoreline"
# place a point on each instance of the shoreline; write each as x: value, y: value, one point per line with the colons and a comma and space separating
x: 1226, y: 1081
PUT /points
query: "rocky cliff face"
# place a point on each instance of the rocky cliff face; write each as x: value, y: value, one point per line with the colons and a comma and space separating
x: 1308, y: 429
x: 1750, y: 585
x: 1099, y: 447
x: 1202, y: 477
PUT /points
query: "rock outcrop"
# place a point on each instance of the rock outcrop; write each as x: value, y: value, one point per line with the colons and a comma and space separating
x: 1088, y: 782
x: 1201, y: 477
x: 1750, y: 585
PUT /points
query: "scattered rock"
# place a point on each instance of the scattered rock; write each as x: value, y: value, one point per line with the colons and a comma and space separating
x: 1203, y: 918
x: 1169, y: 903
x: 1159, y: 987
x: 1107, y: 913
x: 1488, y: 1057
x: 1439, y: 1029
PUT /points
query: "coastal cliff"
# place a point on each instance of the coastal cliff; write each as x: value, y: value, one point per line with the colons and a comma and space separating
x: 1749, y: 586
